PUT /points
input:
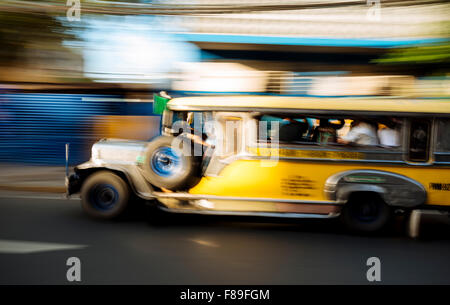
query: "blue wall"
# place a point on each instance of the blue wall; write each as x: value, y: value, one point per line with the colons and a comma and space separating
x: 34, y: 127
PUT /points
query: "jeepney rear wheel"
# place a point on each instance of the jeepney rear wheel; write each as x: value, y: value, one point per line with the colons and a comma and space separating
x: 104, y: 195
x: 168, y: 167
x: 365, y: 212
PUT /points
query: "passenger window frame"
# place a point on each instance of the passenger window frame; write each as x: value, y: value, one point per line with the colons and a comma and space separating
x: 430, y: 148
x: 436, y: 149
x: 439, y: 156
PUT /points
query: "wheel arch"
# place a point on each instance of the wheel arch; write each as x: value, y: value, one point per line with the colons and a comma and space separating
x: 394, y: 189
x: 135, y: 182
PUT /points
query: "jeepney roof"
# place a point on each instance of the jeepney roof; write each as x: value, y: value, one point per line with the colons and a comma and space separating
x: 264, y: 103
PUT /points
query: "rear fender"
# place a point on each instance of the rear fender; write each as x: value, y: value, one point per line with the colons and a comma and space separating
x: 394, y: 189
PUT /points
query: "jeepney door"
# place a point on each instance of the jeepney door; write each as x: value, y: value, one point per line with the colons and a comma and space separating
x: 228, y: 139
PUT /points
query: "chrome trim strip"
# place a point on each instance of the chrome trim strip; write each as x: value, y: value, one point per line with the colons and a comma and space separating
x: 333, y: 148
x: 333, y: 179
x: 262, y: 214
x: 331, y: 188
x: 214, y: 197
x: 441, y: 163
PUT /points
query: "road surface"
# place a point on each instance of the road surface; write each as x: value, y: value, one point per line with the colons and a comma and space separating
x: 38, y: 235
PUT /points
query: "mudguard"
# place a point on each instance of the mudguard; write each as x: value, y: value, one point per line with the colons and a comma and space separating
x: 394, y: 189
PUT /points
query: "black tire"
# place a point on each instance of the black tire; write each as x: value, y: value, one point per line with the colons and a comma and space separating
x: 104, y: 195
x: 170, y: 168
x: 365, y: 212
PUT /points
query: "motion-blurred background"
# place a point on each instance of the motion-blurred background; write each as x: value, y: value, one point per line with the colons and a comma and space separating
x: 73, y: 72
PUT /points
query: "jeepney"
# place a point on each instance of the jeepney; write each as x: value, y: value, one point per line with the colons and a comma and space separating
x: 227, y: 155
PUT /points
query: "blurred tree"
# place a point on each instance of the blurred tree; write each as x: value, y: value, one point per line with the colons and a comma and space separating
x: 436, y: 55
x: 426, y: 54
x: 31, y: 44
x: 21, y: 30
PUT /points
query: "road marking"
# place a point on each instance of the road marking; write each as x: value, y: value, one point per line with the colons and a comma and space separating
x: 25, y: 247
x: 205, y: 243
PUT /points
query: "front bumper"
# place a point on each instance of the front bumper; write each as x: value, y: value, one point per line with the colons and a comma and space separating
x: 73, y: 184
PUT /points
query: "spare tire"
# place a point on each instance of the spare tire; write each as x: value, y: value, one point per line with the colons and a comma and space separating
x: 168, y: 167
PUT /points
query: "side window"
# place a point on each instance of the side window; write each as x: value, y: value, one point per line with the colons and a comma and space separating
x: 419, y: 140
x: 285, y: 129
x: 300, y: 129
x: 379, y: 133
x: 443, y: 140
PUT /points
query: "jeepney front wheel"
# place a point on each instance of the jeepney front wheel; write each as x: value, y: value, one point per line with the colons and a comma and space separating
x: 104, y: 195
x: 365, y: 212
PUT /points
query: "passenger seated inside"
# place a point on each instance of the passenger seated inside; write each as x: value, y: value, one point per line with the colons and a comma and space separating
x: 389, y: 133
x: 326, y: 131
x: 292, y: 131
x: 360, y: 133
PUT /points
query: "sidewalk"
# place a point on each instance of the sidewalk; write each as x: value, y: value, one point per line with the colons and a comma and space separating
x: 32, y: 178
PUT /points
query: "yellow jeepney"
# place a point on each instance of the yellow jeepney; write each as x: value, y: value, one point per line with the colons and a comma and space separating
x: 357, y: 158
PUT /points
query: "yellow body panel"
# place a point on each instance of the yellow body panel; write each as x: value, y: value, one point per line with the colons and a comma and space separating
x: 305, y: 180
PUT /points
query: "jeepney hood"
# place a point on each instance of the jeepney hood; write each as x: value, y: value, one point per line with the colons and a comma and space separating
x: 117, y: 151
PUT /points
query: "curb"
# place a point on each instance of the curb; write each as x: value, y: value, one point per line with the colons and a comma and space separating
x: 38, y: 189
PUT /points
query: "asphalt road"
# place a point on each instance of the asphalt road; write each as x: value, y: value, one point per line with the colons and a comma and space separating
x: 205, y: 250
